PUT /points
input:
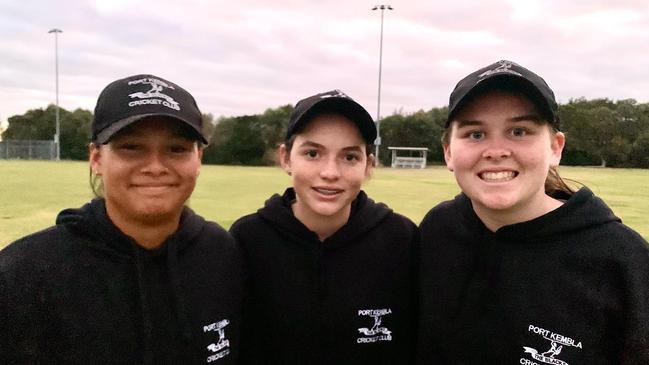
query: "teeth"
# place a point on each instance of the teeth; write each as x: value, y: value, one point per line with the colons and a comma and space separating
x: 498, y: 176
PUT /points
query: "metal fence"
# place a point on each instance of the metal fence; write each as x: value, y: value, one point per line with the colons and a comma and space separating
x: 27, y: 149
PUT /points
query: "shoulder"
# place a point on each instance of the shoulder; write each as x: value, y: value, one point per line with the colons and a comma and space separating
x: 41, y: 245
x: 245, y: 223
x: 446, y: 213
x: 616, y: 236
x: 400, y: 223
x: 594, y: 222
x: 442, y: 209
x: 214, y: 230
x: 37, y: 259
x: 251, y: 232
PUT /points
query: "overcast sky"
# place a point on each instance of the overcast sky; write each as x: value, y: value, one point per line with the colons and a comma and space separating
x: 242, y: 57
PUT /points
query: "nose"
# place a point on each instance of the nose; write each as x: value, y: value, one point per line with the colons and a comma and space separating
x: 155, y: 164
x: 330, y: 169
x: 496, y: 150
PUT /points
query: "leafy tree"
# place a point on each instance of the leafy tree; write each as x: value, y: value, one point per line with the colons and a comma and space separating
x: 40, y: 124
x: 273, y: 123
x: 236, y: 141
x: 36, y: 124
x: 75, y: 135
x: 639, y: 155
x: 575, y: 123
x: 208, y: 125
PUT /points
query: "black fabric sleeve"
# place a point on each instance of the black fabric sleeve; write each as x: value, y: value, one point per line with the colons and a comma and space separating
x: 635, y: 349
x: 3, y: 322
x: 247, y: 355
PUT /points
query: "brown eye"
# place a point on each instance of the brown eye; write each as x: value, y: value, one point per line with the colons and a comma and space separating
x: 178, y: 149
x: 351, y: 157
x: 519, y: 132
x: 128, y: 147
x: 476, y: 135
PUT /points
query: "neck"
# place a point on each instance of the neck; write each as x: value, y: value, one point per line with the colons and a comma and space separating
x: 494, y: 219
x: 323, y: 226
x: 148, y: 233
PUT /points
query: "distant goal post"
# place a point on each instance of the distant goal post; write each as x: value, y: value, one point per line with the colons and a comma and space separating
x: 409, y: 157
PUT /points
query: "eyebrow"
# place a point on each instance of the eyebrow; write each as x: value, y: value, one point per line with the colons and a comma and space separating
x: 519, y: 118
x: 318, y: 145
x: 527, y: 117
x: 311, y: 144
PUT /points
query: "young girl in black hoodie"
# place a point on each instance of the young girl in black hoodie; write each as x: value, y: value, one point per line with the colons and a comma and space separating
x: 331, y: 271
x: 518, y: 268
x: 133, y: 277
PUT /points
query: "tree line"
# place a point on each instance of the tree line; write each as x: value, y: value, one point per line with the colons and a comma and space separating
x: 599, y: 132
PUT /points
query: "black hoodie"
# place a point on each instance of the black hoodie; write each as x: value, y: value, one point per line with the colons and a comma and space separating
x: 346, y: 300
x: 82, y: 292
x: 569, y: 287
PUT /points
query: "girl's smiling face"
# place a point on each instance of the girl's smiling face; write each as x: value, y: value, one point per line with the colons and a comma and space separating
x: 148, y: 170
x: 327, y: 163
x: 500, y: 151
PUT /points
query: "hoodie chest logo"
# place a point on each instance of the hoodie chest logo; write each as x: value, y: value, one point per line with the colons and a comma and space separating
x: 377, y: 332
x: 557, y: 343
x: 221, y: 348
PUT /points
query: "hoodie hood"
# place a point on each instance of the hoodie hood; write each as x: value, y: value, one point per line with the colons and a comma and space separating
x: 365, y: 215
x: 92, y: 221
x: 580, y: 211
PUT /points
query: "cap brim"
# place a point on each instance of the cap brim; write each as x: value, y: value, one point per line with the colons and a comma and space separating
x: 107, y: 133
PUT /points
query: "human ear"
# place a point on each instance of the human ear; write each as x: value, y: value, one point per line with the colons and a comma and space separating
x: 94, y: 158
x: 200, y: 159
x: 285, y: 158
x: 557, y: 144
x: 369, y: 164
x: 447, y: 156
x: 200, y: 153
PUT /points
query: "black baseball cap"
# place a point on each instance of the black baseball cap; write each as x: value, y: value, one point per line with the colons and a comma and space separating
x: 133, y: 98
x: 334, y: 101
x: 506, y: 74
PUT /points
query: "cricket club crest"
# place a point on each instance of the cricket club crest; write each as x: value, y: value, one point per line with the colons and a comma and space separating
x: 221, y: 348
x: 376, y: 332
x: 154, y: 95
x: 557, y: 343
x: 334, y: 94
x: 503, y: 67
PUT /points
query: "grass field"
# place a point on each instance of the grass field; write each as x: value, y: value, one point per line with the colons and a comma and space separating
x: 33, y: 192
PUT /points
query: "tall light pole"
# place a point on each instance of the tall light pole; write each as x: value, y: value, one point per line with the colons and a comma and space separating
x: 57, y: 136
x: 377, y: 143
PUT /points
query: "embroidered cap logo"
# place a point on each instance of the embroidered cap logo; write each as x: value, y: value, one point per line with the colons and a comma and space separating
x: 503, y: 66
x: 154, y: 95
x: 334, y: 94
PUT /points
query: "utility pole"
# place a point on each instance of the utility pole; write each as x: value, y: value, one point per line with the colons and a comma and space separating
x: 377, y: 143
x: 57, y: 136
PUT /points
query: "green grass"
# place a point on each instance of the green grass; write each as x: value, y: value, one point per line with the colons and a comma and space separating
x: 33, y: 192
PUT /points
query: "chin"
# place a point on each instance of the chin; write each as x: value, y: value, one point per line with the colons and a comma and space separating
x: 158, y: 210
x: 327, y: 211
x: 497, y: 202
